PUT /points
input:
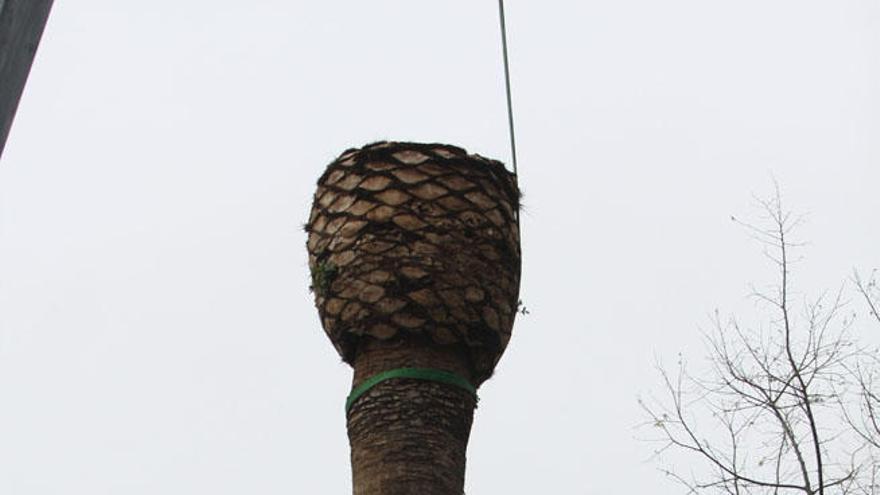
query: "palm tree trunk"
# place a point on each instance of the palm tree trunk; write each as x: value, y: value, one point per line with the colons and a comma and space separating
x: 415, y: 262
x: 409, y: 436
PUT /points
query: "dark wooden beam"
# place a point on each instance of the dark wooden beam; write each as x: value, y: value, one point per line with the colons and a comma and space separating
x: 21, y: 26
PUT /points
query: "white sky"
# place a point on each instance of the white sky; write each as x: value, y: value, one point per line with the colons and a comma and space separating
x: 156, y: 331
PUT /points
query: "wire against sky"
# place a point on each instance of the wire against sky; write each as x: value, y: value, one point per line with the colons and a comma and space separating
x: 507, y: 84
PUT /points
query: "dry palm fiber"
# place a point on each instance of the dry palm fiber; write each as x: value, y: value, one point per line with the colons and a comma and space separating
x: 410, y: 240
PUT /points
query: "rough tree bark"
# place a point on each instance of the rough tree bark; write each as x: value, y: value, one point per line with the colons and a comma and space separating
x: 409, y: 436
x: 414, y: 254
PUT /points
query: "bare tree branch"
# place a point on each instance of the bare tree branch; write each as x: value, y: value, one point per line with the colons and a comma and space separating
x: 771, y: 414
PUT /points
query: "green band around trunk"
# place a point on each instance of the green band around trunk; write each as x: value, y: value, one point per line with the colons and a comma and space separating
x: 429, y: 374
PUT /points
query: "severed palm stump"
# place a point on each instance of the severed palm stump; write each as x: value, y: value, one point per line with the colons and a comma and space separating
x: 415, y: 260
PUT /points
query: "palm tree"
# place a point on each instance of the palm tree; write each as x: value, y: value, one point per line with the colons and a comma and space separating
x: 415, y: 261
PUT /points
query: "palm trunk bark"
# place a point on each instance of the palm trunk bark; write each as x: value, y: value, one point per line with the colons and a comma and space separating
x: 415, y: 260
x: 409, y: 436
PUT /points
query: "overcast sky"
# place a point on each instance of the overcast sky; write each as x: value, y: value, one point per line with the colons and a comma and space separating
x: 156, y: 330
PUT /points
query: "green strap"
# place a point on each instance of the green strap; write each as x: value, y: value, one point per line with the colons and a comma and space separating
x: 429, y: 374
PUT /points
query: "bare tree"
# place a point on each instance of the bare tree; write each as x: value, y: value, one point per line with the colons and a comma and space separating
x: 866, y: 420
x: 764, y: 416
x: 870, y: 291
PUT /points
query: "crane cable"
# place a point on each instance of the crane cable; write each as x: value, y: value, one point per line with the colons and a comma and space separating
x: 507, y: 84
x: 510, y: 117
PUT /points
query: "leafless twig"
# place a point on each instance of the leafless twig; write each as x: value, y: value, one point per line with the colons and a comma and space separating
x: 766, y: 416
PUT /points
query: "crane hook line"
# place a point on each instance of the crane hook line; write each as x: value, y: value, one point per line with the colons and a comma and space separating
x: 507, y: 84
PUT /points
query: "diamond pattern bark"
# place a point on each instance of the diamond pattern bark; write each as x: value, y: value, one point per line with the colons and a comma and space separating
x: 410, y: 239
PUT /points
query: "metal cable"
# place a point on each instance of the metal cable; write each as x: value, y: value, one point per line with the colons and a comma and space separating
x: 507, y: 84
x: 510, y: 115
